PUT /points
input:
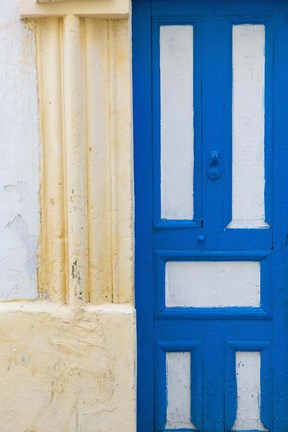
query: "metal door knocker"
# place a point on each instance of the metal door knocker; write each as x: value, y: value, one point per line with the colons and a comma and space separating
x: 214, y: 170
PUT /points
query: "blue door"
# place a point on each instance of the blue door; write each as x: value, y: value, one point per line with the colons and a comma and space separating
x: 210, y: 82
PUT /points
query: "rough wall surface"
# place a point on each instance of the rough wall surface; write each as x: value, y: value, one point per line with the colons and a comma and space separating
x: 66, y: 366
x: 74, y: 373
x: 19, y: 161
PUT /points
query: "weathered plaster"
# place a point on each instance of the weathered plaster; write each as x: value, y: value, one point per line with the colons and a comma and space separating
x: 84, y: 72
x: 19, y: 163
x: 72, y: 368
x: 48, y: 1
x: 115, y: 9
x: 67, y: 370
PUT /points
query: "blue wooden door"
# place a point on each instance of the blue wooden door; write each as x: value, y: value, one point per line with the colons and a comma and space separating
x: 210, y: 86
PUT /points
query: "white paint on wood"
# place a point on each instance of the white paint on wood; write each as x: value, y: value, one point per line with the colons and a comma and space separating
x: 19, y: 162
x: 248, y: 366
x: 178, y: 376
x: 248, y: 125
x: 177, y: 130
x: 212, y: 283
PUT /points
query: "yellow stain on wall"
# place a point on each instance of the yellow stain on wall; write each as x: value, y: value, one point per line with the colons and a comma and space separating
x: 84, y: 72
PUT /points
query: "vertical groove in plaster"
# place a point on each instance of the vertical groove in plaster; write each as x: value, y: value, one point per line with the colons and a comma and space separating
x: 75, y: 158
x: 124, y: 179
x: 109, y: 154
x: 111, y: 120
x: 121, y: 160
x: 51, y: 275
x: 98, y: 160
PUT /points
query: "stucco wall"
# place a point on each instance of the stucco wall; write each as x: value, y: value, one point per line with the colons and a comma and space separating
x: 19, y: 157
x: 67, y: 370
x: 67, y: 364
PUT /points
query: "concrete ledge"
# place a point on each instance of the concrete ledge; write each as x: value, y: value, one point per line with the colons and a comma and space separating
x: 67, y: 375
x: 94, y: 8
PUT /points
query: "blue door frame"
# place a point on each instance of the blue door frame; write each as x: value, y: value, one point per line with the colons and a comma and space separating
x: 205, y: 331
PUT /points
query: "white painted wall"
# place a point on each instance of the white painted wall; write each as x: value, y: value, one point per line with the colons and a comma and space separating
x: 19, y: 157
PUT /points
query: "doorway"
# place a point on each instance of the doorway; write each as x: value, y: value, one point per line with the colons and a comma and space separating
x: 211, y: 203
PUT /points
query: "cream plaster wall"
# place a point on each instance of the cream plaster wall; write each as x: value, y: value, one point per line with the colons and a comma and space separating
x: 67, y: 370
x: 19, y: 161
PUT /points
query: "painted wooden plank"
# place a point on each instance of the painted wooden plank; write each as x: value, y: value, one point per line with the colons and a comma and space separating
x: 212, y: 284
x: 177, y: 131
x: 248, y: 126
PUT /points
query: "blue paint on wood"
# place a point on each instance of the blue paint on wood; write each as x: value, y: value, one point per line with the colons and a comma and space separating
x: 212, y: 336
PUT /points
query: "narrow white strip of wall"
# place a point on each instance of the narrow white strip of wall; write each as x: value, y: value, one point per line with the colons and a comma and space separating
x: 177, y: 130
x: 248, y: 126
x: 248, y: 366
x: 212, y: 284
x: 178, y: 378
x: 19, y: 163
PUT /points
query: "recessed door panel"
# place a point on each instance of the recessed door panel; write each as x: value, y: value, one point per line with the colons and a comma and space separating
x: 248, y: 126
x: 177, y: 122
x: 178, y: 388
x: 214, y: 284
x: 248, y: 414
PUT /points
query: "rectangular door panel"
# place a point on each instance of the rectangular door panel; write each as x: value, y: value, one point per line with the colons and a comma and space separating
x: 214, y: 284
x: 248, y: 126
x: 177, y: 122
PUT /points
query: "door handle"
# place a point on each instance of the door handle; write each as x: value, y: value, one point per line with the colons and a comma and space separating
x: 214, y: 171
